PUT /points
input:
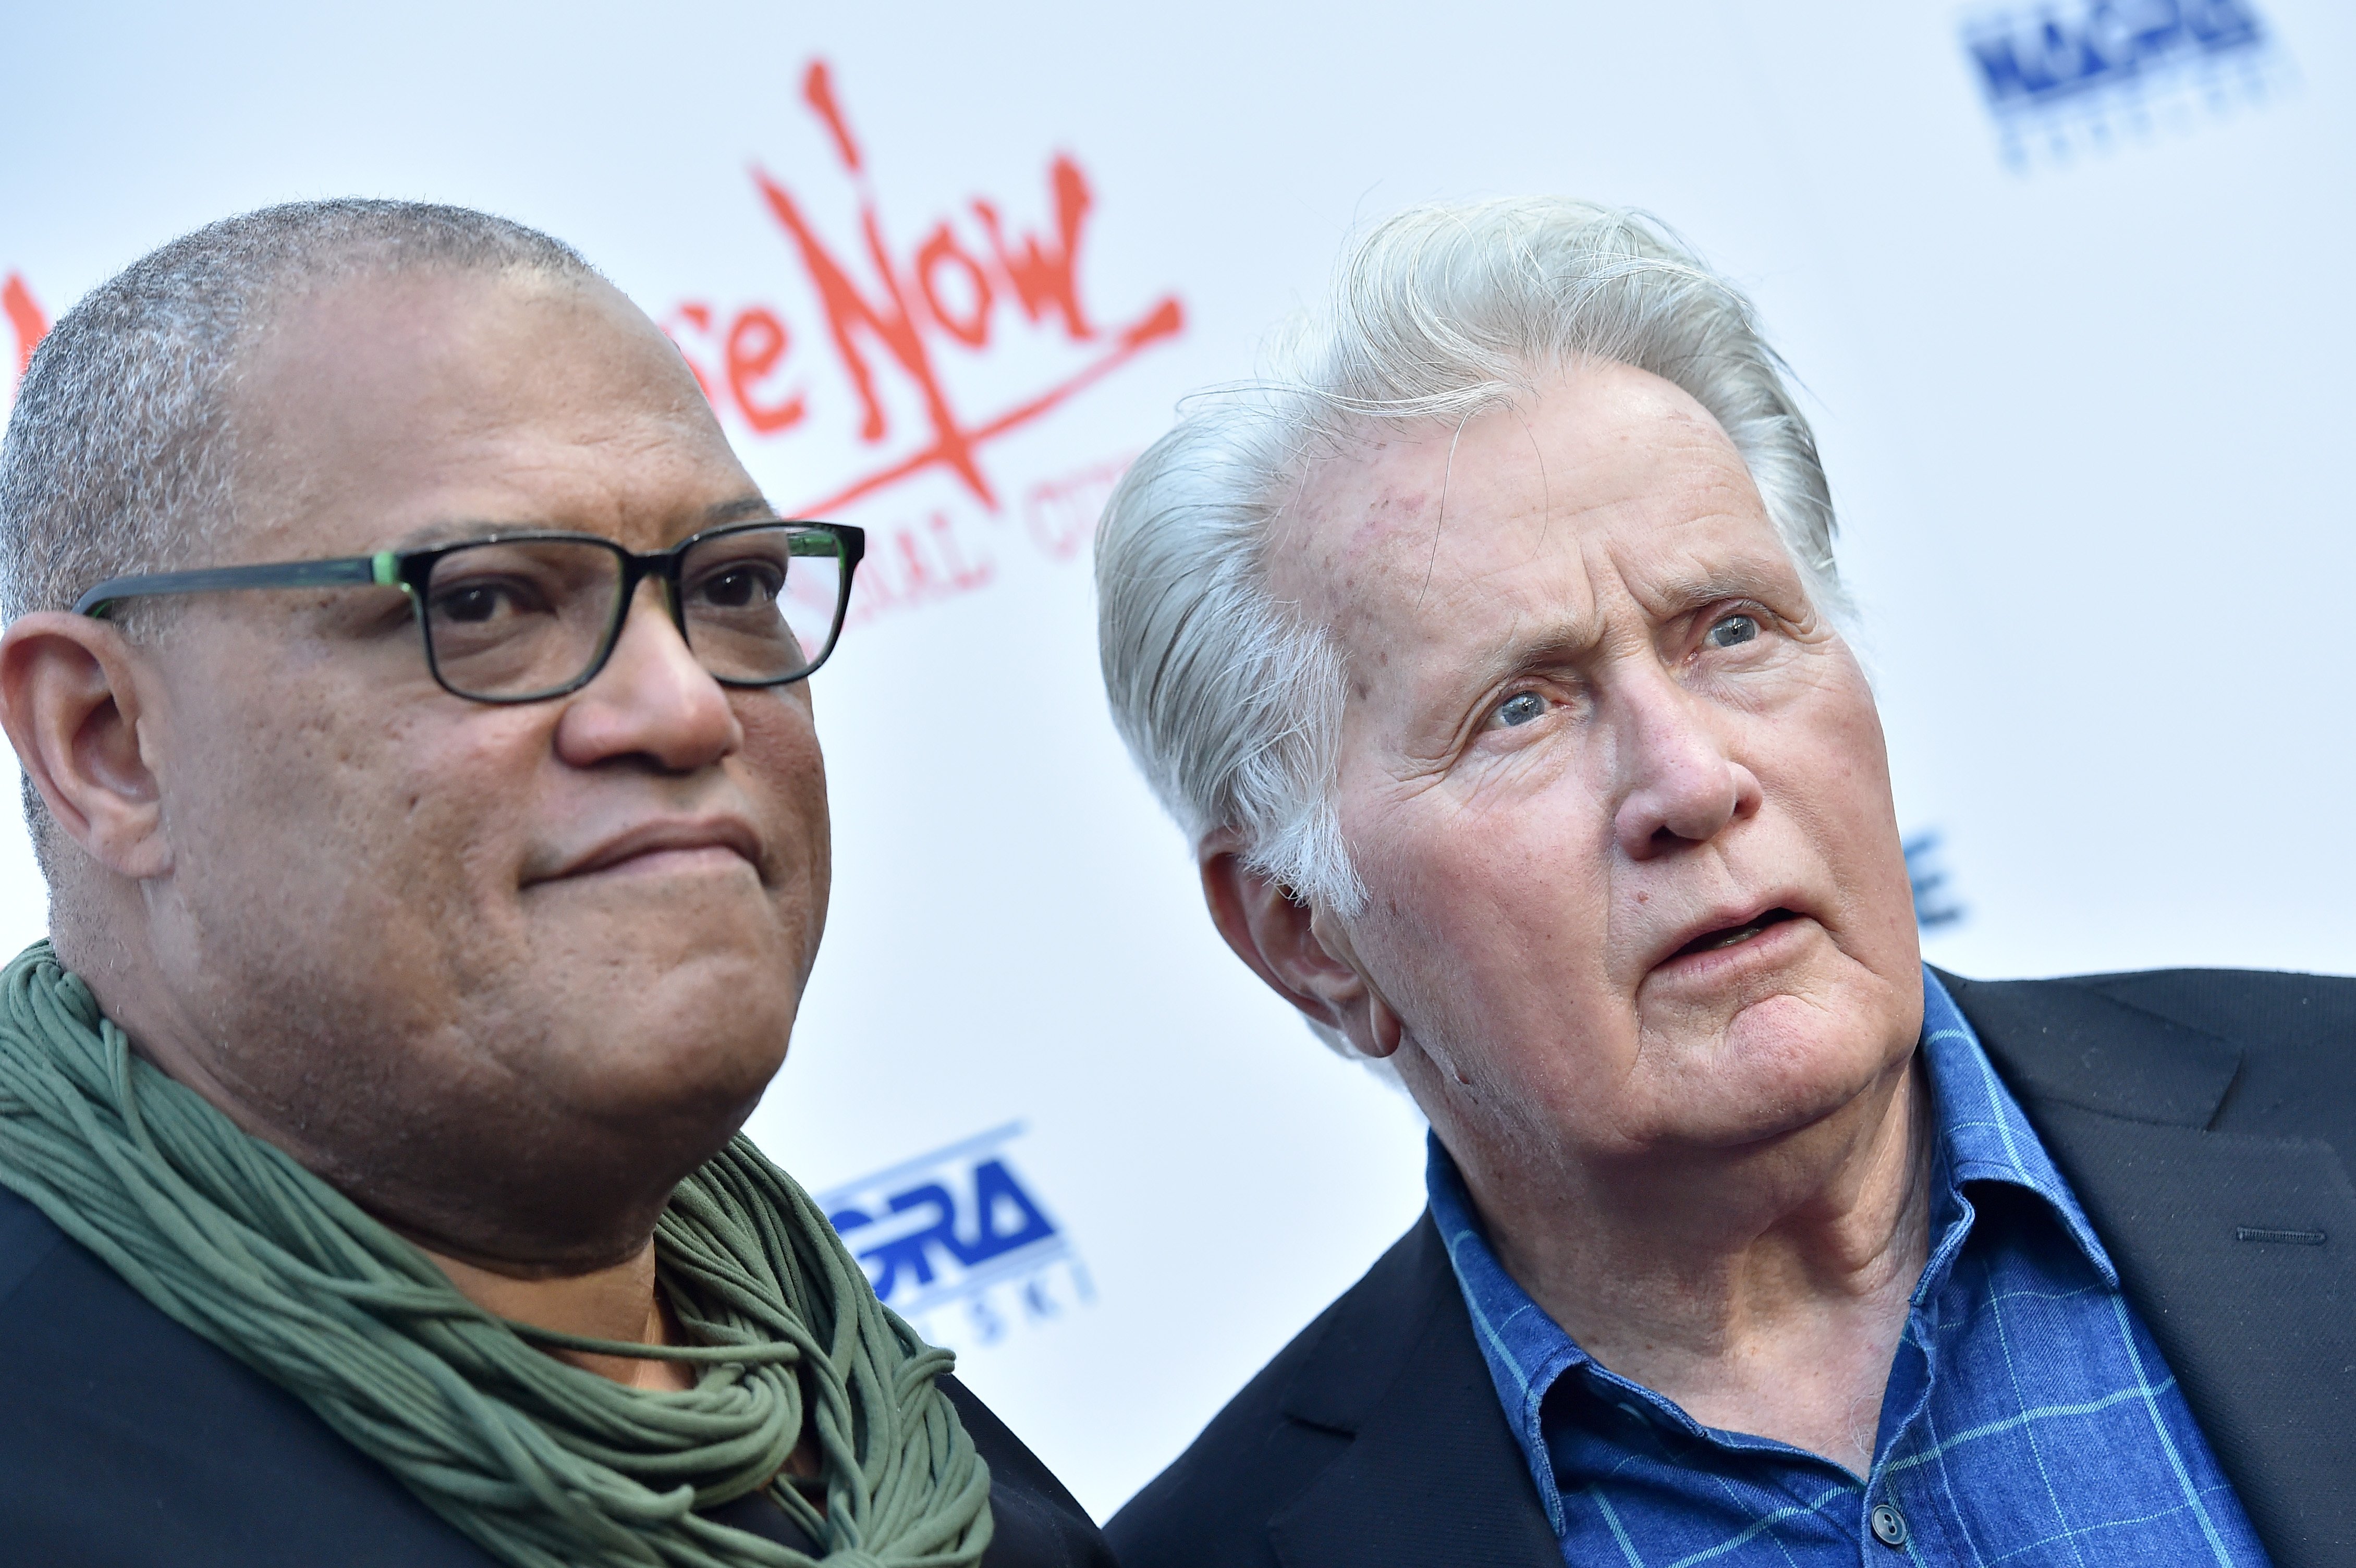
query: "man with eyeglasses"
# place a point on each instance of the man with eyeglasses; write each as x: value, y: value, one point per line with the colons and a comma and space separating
x: 410, y: 689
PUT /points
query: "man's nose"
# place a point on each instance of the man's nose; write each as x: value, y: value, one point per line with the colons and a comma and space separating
x: 653, y: 700
x: 1679, y: 785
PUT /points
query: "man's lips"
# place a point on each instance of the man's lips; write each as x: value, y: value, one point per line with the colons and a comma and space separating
x: 1717, y: 931
x: 668, y: 836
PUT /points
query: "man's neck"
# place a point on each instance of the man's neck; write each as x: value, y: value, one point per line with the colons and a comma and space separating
x: 1763, y: 1293
x: 618, y: 1303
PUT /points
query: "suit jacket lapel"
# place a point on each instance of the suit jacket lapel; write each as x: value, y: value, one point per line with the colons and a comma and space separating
x: 2239, y: 1252
x: 1433, y: 1474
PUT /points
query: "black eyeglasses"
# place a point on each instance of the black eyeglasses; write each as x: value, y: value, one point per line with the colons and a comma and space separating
x: 526, y: 616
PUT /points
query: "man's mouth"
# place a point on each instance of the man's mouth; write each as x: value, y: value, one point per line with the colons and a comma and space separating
x: 658, y: 840
x: 1734, y: 935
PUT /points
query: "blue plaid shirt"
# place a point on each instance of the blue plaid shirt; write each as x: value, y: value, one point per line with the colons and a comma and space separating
x: 2030, y: 1419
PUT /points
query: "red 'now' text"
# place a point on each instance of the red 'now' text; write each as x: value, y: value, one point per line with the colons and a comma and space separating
x: 894, y: 314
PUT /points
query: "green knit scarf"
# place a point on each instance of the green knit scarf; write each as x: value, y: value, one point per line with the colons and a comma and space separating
x: 546, y: 1465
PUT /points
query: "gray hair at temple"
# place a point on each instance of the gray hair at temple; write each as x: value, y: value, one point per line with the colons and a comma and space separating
x: 1229, y: 700
x: 121, y: 453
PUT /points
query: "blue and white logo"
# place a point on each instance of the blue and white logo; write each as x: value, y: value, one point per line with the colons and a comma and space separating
x: 1935, y: 907
x: 2062, y: 80
x: 957, y: 1242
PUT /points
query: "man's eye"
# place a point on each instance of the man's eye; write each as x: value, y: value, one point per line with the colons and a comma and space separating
x: 476, y: 604
x: 1520, y: 708
x: 740, y: 587
x: 1731, y: 631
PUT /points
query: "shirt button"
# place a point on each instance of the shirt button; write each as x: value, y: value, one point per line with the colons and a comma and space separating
x: 1888, y: 1524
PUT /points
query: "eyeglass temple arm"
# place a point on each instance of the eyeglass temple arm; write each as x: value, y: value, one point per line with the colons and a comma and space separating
x: 382, y: 568
x: 851, y: 543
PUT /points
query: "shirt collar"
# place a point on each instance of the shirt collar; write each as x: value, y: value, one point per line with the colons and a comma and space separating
x: 1982, y: 1135
x: 1525, y: 1351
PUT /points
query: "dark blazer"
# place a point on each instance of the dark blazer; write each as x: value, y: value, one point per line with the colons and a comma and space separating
x: 126, y: 1440
x: 2197, y: 1113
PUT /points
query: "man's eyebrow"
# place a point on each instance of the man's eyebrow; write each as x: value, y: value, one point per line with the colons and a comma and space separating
x: 737, y: 511
x: 1560, y: 640
x: 1534, y: 647
x: 462, y: 532
x: 449, y: 532
x: 1681, y: 593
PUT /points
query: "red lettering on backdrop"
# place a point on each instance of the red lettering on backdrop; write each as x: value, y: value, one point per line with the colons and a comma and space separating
x: 698, y: 315
x: 818, y: 91
x: 755, y: 342
x: 1061, y: 513
x: 1043, y: 278
x: 973, y: 328
x: 847, y: 312
x: 24, y: 319
x: 889, y: 318
x: 910, y: 566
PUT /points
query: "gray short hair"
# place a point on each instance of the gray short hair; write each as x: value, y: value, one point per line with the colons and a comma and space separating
x: 119, y: 455
x: 1230, y: 701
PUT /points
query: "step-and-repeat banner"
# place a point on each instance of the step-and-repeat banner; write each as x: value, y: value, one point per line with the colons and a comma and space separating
x: 2067, y: 284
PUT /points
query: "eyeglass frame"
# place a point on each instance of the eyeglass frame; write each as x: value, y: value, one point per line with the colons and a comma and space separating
x: 412, y: 569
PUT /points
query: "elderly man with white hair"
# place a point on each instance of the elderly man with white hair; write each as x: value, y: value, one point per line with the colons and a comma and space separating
x: 1493, y: 657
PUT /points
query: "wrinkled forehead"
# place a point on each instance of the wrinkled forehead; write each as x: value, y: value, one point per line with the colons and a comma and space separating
x: 1608, y: 481
x: 392, y: 400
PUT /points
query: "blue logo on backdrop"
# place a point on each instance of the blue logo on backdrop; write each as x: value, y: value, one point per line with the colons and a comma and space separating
x: 957, y: 1243
x: 2066, y: 78
x: 1934, y: 906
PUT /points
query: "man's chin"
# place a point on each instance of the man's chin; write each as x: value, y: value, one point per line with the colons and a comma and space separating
x: 1762, y: 1100
x: 677, y: 1049
x: 663, y: 937
x: 675, y: 1038
x: 1757, y: 1066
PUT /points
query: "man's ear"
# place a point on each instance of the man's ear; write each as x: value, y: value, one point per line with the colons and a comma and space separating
x: 1303, y: 953
x: 71, y: 700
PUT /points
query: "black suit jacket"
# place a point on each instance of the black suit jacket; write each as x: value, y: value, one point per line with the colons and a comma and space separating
x: 2199, y: 1115
x: 128, y: 1441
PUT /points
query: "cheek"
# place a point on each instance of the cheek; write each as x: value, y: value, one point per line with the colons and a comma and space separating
x: 1831, y: 774
x: 376, y: 808
x: 291, y: 781
x: 783, y: 769
x: 1848, y: 762
x: 1492, y: 916
x: 315, y: 859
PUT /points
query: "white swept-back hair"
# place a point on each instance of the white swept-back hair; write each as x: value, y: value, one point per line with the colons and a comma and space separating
x: 1229, y: 700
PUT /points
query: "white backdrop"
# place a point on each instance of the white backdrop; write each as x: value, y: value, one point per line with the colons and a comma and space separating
x: 2069, y: 288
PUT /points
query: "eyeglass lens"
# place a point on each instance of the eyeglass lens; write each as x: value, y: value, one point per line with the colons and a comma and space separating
x: 517, y: 618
